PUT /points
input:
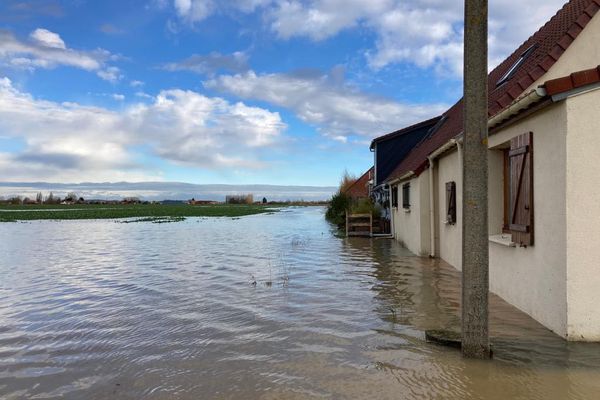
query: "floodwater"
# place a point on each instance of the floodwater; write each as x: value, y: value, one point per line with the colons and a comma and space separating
x: 259, y: 307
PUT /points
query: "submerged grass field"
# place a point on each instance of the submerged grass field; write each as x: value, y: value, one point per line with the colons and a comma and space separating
x: 145, y: 212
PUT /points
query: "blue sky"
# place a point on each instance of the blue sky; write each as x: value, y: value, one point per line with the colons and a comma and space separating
x: 244, y: 91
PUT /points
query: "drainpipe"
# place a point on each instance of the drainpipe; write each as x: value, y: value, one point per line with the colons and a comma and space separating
x: 459, y: 147
x: 392, y: 230
x: 431, y: 209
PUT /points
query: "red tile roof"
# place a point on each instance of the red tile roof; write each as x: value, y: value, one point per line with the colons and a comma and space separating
x: 549, y: 43
x: 359, y: 189
x: 573, y: 81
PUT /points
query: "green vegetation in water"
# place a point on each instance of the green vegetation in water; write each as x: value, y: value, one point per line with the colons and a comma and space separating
x: 336, y: 212
x: 365, y: 206
x: 11, y: 213
x: 155, y: 220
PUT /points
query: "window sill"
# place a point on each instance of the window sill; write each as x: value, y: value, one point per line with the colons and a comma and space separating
x: 503, y: 239
x: 406, y: 210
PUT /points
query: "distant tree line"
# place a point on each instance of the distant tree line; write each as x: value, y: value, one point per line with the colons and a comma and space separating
x: 239, y: 199
x: 70, y: 198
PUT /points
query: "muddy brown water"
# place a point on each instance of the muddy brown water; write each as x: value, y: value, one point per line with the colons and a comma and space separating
x: 261, y: 307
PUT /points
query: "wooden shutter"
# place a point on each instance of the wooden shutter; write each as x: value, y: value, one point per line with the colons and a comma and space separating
x: 394, y: 196
x: 451, y: 202
x: 406, y: 196
x: 521, y: 189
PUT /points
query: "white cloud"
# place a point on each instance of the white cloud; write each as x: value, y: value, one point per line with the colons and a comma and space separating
x: 211, y: 63
x: 341, y: 139
x: 46, y: 49
x: 209, y: 132
x: 427, y: 33
x: 47, y: 38
x: 143, y: 95
x: 322, y: 19
x: 136, y: 83
x: 111, y: 74
x: 70, y: 142
x: 193, y: 10
x: 118, y: 96
x: 335, y: 108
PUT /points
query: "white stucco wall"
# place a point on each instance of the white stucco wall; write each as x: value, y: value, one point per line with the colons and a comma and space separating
x: 583, y: 216
x: 534, y: 278
x: 450, y: 236
x: 412, y: 228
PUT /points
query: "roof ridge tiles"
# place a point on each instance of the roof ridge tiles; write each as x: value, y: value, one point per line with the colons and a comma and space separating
x: 551, y: 41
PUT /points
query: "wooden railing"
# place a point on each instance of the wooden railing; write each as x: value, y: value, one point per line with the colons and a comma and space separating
x: 359, y: 225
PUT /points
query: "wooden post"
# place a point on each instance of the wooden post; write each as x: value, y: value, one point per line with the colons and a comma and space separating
x: 475, y: 281
x: 347, y: 228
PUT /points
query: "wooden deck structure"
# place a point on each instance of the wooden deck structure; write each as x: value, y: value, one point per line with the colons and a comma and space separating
x: 359, y: 225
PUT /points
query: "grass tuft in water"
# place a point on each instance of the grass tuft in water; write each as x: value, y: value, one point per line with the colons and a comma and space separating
x: 155, y: 220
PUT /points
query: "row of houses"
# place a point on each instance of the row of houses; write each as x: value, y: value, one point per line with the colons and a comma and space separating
x: 544, y: 177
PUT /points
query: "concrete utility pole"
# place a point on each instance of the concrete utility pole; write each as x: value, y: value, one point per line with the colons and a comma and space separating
x: 475, y: 280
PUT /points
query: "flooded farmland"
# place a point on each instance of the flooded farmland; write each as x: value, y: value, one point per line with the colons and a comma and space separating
x: 258, y: 307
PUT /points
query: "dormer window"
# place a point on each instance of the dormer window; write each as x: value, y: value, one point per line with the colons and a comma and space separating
x: 512, y: 70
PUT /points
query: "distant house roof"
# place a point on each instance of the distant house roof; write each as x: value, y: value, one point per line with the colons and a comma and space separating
x: 511, y: 78
x: 402, y: 131
x: 360, y: 188
x: 392, y: 148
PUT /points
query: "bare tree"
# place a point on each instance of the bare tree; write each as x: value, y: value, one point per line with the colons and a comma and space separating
x: 71, y: 196
x: 346, y: 181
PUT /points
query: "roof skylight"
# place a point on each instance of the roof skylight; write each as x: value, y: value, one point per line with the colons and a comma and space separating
x: 512, y: 70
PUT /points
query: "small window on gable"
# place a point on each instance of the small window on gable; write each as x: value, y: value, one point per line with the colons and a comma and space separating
x: 513, y: 69
x: 451, y: 203
x: 518, y: 213
x: 395, y: 196
x: 406, y: 196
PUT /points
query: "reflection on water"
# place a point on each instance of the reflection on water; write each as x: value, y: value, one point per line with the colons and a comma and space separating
x: 262, y: 307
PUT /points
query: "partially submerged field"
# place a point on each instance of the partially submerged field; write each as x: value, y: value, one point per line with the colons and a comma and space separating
x: 146, y: 212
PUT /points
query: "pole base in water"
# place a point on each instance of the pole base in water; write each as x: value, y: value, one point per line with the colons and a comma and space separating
x: 444, y: 338
x: 447, y: 338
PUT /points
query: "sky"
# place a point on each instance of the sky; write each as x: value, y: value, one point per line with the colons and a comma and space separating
x: 281, y: 92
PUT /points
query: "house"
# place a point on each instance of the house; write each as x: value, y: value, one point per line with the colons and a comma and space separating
x: 390, y: 149
x: 360, y: 189
x: 544, y: 183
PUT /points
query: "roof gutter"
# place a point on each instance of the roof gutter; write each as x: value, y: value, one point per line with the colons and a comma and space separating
x: 440, y: 150
x: 404, y: 177
x: 517, y: 106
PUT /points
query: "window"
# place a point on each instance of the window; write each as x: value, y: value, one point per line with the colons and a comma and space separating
x: 406, y: 196
x: 518, y: 190
x: 451, y: 203
x: 512, y: 70
x: 395, y: 196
